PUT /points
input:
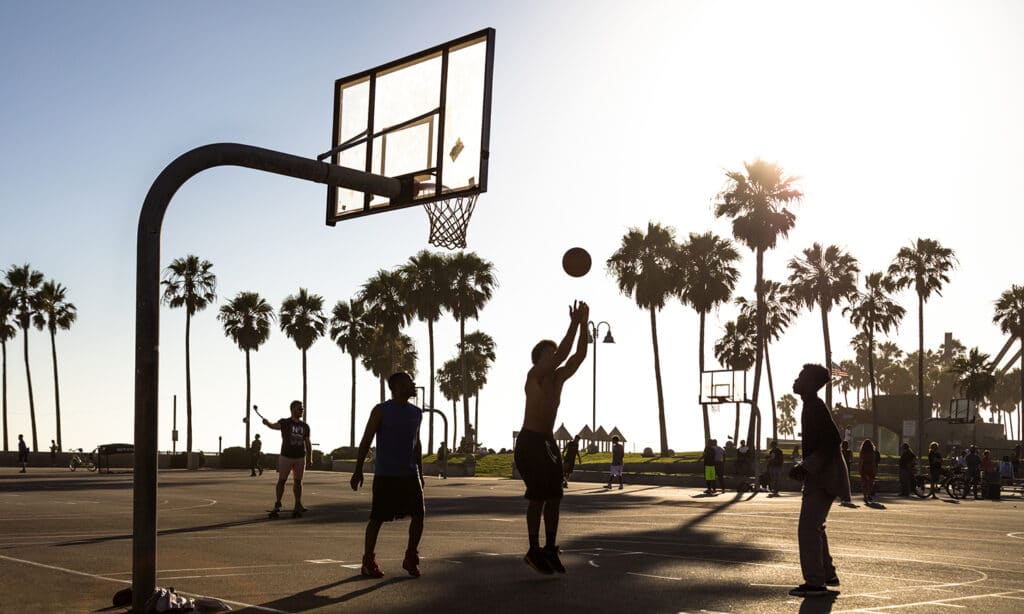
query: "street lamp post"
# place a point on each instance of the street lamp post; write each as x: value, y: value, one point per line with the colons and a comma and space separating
x: 594, y: 329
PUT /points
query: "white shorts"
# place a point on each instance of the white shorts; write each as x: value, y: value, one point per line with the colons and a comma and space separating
x: 616, y: 470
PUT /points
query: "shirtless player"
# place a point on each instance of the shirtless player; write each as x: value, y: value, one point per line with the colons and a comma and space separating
x: 537, y: 457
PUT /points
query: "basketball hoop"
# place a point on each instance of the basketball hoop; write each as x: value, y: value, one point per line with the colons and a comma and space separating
x: 449, y: 218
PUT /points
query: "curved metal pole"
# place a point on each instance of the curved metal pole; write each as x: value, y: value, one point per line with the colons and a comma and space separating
x: 444, y: 465
x: 147, y: 313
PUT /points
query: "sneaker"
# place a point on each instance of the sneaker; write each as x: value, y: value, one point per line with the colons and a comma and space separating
x: 370, y: 569
x: 608, y: 486
x: 299, y: 508
x: 551, y: 554
x: 806, y: 590
x: 620, y: 486
x: 535, y: 558
x: 412, y: 564
x: 277, y: 505
x: 833, y: 581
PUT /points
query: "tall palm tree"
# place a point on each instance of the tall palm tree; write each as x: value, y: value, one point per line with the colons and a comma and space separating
x: 643, y: 268
x: 7, y: 332
x: 473, y: 284
x: 873, y: 311
x: 54, y: 311
x: 707, y: 280
x: 925, y: 265
x: 246, y: 320
x: 449, y: 381
x: 350, y: 330
x: 427, y: 288
x: 1009, y: 315
x: 302, y: 320
x: 190, y: 283
x: 386, y: 353
x: 1007, y: 396
x: 385, y: 298
x: 824, y: 277
x: 480, y: 354
x: 756, y: 201
x: 787, y: 414
x: 24, y: 284
x: 737, y: 350
x: 780, y: 309
x: 976, y: 378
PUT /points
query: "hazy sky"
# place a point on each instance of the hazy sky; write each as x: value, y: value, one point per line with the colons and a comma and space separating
x: 902, y: 119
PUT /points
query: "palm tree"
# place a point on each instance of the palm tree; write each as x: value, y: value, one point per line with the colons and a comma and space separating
x: 386, y: 353
x: 350, y: 330
x: 1006, y: 396
x: 473, y: 284
x: 479, y: 351
x: 385, y: 298
x: 787, y: 414
x: 7, y: 332
x: 737, y: 350
x: 302, y: 320
x: 873, y: 311
x: 924, y: 264
x: 976, y: 377
x: 449, y: 381
x: 246, y: 320
x: 707, y: 279
x: 824, y: 278
x: 24, y: 284
x: 427, y: 287
x: 780, y: 309
x: 190, y: 283
x: 54, y: 312
x: 643, y: 267
x: 1009, y: 315
x: 756, y: 202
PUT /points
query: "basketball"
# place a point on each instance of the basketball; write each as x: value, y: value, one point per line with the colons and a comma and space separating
x: 576, y: 262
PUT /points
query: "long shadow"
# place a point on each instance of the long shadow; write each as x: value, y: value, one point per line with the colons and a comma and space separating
x: 91, y: 481
x: 818, y: 605
x: 164, y: 532
x: 312, y: 599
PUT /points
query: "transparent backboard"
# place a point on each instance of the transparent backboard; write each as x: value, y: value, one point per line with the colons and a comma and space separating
x: 424, y: 119
x: 723, y: 386
x: 962, y: 410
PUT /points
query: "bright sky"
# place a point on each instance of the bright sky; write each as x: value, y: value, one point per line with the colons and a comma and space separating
x: 902, y: 118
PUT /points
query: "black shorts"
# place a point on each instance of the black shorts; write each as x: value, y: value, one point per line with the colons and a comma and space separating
x: 540, y: 464
x: 396, y: 497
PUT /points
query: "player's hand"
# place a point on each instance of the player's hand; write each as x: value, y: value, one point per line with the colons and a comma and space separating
x: 309, y: 464
x: 357, y: 480
x: 583, y: 312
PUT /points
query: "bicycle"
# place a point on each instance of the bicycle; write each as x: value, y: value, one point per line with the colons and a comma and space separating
x: 77, y: 461
x: 953, y: 481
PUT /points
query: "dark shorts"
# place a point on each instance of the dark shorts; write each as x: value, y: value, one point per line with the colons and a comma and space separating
x: 396, y: 497
x: 540, y: 464
x: 22, y: 457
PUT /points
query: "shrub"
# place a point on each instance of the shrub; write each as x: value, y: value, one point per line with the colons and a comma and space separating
x: 234, y: 457
x: 345, y: 453
x: 648, y: 453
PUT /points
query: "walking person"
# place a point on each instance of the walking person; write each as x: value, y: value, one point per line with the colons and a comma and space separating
x: 255, y: 452
x: 719, y: 465
x: 397, y: 475
x: 296, y: 453
x: 973, y: 464
x: 22, y: 453
x: 868, y: 470
x: 536, y: 453
x: 844, y: 447
x: 775, y: 461
x: 569, y: 457
x: 908, y: 460
x: 53, y: 453
x: 708, y: 456
x: 825, y: 478
x: 442, y: 460
x: 618, y: 453
x: 934, y: 468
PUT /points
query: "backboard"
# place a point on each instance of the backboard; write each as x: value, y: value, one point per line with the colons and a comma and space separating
x: 962, y: 410
x: 424, y: 119
x: 723, y: 386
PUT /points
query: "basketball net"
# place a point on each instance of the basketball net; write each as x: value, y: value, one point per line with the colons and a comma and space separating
x: 449, y: 218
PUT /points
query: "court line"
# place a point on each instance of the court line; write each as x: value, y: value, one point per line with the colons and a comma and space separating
x: 939, y: 602
x: 647, y: 575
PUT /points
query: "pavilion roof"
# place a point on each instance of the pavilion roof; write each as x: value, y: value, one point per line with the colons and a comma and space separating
x: 617, y: 433
x: 562, y: 434
x: 601, y: 434
x: 586, y: 433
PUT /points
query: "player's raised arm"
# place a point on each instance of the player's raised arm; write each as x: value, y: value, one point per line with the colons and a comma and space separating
x: 372, y: 426
x: 574, y: 362
x: 546, y: 365
x: 271, y: 425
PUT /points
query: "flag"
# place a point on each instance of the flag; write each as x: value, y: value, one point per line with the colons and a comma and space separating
x: 839, y: 372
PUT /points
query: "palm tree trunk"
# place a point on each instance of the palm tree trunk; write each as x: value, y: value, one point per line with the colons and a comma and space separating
x: 304, y: 409
x: 3, y: 344
x: 476, y: 420
x: 56, y: 386
x: 920, y: 370
x: 1020, y: 410
x: 430, y: 435
x: 700, y: 361
x: 755, y: 410
x: 828, y: 355
x: 657, y: 379
x: 188, y: 388
x: 465, y: 374
x: 31, y: 401
x: 248, y: 398
x: 455, y: 426
x: 871, y: 383
x: 381, y: 378
x: 771, y: 392
x: 352, y: 429
x: 736, y: 430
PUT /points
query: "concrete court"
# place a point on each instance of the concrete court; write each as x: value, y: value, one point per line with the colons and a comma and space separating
x: 65, y: 547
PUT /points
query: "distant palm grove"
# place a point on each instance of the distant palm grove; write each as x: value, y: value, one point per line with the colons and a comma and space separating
x: 651, y: 266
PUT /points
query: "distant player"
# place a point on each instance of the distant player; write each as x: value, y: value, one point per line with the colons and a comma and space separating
x: 536, y: 453
x: 618, y: 453
x: 255, y: 452
x: 22, y: 453
x: 569, y: 457
x: 296, y: 453
x: 398, y: 472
